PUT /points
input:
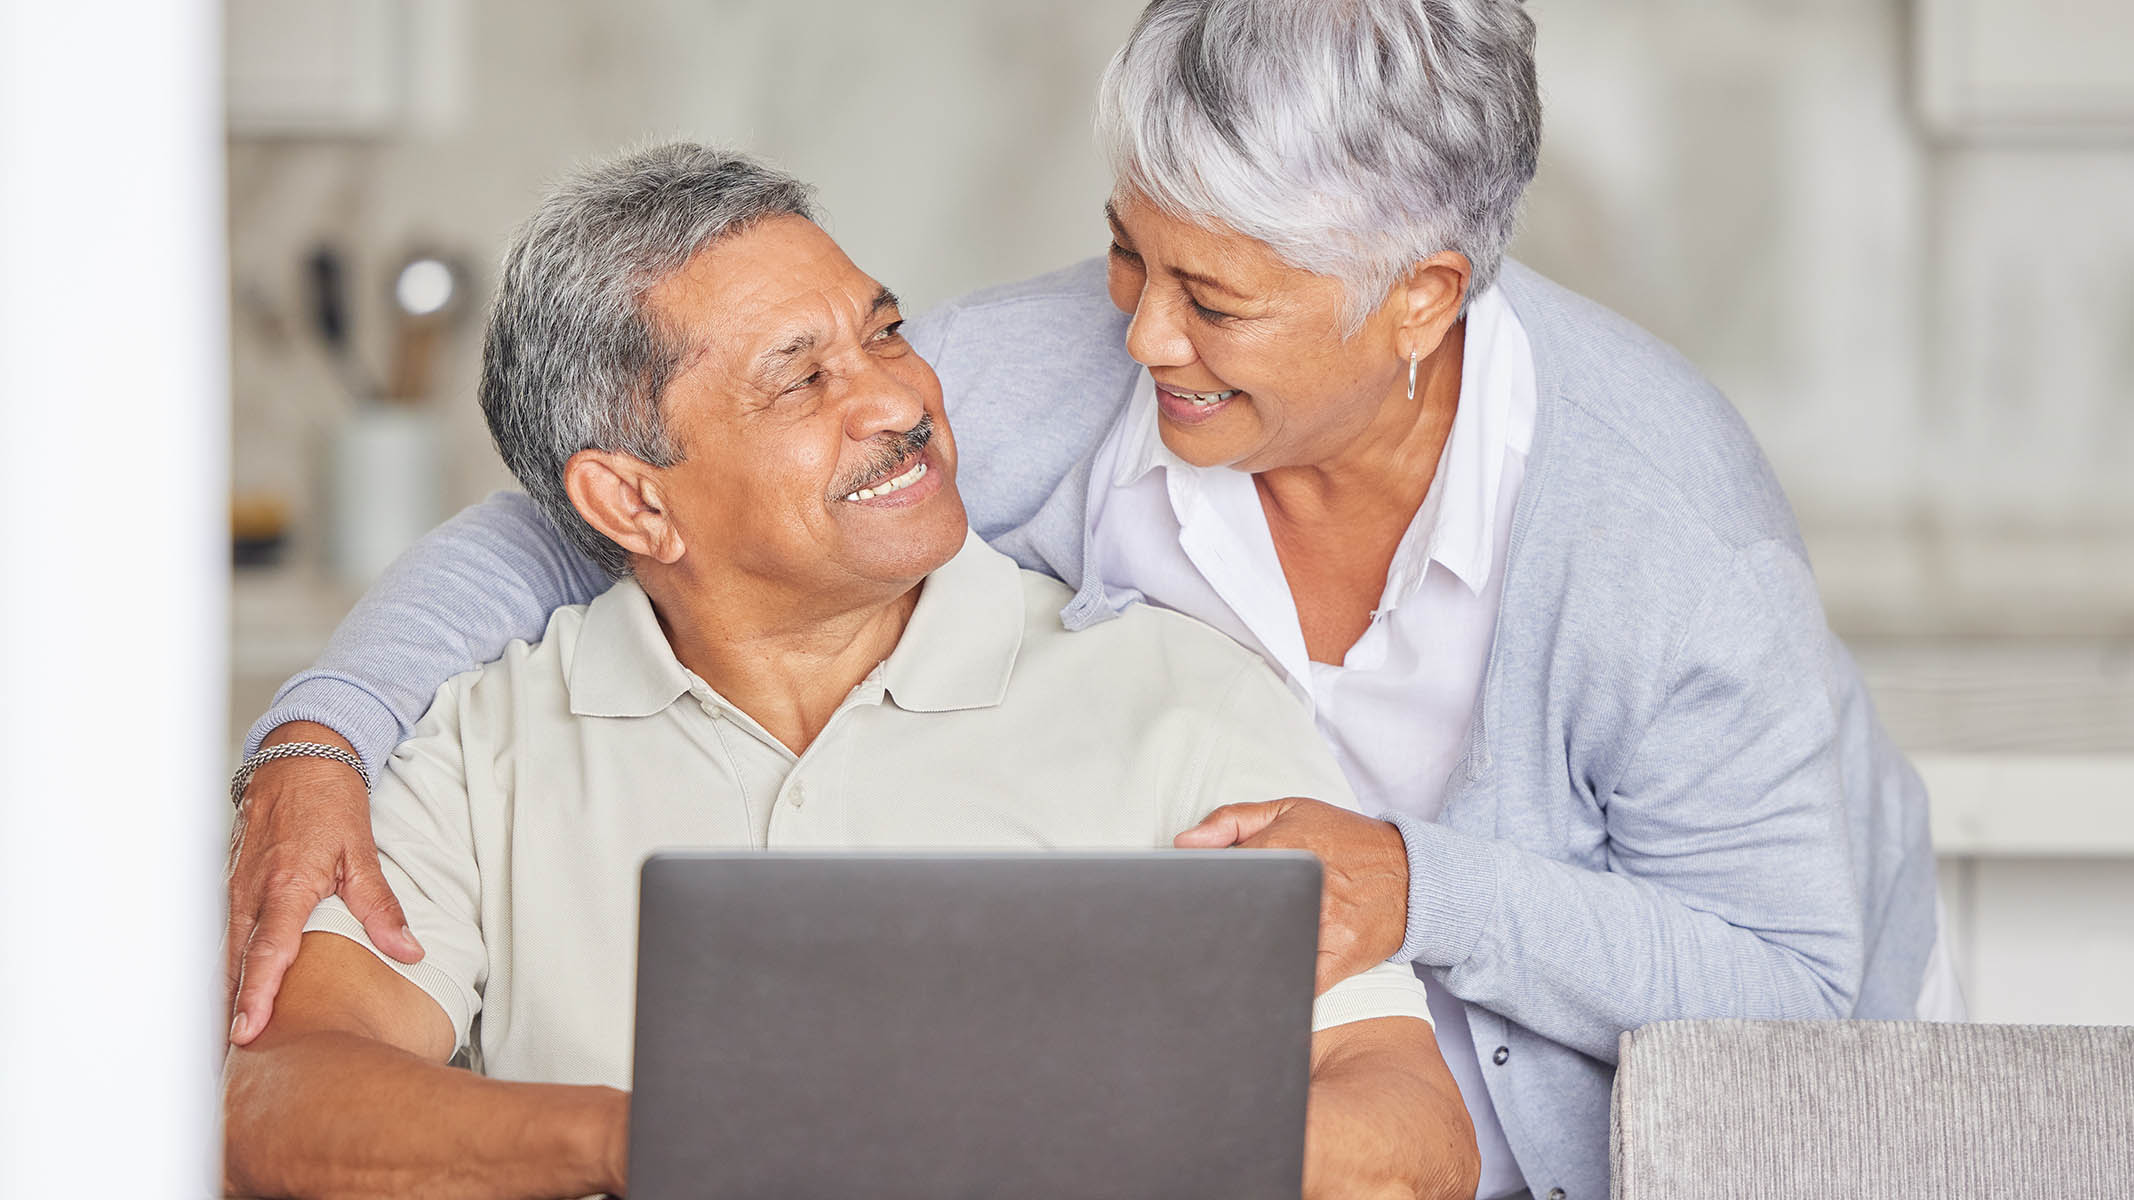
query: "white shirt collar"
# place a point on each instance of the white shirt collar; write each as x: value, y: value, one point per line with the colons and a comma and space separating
x: 1456, y: 525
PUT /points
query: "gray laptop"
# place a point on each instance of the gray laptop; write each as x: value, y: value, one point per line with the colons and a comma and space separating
x: 1030, y: 1025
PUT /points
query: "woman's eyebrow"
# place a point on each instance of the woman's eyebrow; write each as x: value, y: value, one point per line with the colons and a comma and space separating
x: 1207, y: 281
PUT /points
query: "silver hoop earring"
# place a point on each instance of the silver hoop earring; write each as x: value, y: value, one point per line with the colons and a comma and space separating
x: 1414, y: 360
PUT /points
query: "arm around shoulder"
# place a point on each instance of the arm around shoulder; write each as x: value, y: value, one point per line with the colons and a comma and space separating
x: 454, y: 600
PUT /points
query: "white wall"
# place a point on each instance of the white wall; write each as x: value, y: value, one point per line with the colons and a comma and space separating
x: 1929, y: 337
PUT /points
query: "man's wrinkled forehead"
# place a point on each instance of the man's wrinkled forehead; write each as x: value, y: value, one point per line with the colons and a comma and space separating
x: 762, y: 299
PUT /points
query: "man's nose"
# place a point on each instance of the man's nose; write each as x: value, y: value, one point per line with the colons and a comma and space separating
x: 883, y: 402
x: 1155, y: 337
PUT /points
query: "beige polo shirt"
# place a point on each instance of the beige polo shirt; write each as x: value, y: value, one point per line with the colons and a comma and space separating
x: 513, y: 822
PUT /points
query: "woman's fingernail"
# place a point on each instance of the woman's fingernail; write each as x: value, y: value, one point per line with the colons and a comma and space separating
x: 238, y: 1025
x: 409, y: 934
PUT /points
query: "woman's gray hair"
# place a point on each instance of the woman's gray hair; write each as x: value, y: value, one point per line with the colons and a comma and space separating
x: 572, y: 361
x: 1354, y: 137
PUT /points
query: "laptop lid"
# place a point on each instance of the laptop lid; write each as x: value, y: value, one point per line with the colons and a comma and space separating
x: 1025, y: 1025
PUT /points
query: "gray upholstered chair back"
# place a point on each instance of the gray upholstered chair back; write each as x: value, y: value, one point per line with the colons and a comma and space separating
x: 1779, y: 1110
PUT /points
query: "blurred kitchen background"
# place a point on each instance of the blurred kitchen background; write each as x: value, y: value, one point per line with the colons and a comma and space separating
x: 1898, y: 233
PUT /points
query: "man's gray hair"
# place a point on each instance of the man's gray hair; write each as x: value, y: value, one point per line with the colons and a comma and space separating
x: 1354, y: 137
x: 572, y: 360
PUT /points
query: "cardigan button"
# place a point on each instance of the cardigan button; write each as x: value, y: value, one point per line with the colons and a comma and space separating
x: 1503, y: 1052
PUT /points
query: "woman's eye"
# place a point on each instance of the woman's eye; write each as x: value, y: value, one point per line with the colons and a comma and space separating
x: 1122, y: 253
x: 1205, y: 313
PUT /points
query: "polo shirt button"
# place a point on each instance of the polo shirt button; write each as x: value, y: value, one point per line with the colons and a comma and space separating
x: 1555, y: 1194
x: 1503, y: 1052
x: 797, y: 795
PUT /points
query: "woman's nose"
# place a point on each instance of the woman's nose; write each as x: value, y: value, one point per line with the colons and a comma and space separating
x: 1155, y: 337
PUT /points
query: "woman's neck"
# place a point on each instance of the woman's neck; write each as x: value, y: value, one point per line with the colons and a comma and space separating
x: 1388, y: 468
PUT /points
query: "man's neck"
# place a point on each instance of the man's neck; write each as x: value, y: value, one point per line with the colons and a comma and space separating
x: 786, y: 664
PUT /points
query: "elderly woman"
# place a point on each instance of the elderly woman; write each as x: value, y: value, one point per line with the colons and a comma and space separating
x: 1542, y: 594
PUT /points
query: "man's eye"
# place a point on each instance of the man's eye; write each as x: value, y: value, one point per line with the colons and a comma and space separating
x: 812, y: 379
x: 889, y: 332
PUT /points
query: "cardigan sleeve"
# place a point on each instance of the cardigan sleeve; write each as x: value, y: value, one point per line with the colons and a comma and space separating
x: 1727, y: 889
x: 453, y: 601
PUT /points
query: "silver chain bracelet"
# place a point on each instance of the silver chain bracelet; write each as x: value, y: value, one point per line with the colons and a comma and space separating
x: 261, y: 758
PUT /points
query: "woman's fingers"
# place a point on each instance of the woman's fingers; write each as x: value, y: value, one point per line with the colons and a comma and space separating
x: 371, y: 901
x: 303, y: 833
x: 1230, y: 824
x: 267, y: 957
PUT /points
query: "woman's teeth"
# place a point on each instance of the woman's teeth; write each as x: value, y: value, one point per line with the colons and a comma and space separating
x: 895, y: 485
x: 1206, y: 399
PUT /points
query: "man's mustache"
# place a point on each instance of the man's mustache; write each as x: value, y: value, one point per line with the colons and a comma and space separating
x: 896, y: 449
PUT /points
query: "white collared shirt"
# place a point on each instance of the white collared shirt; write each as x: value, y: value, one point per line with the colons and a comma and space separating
x: 1397, y: 710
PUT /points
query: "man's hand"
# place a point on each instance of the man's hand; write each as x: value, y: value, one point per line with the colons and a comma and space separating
x: 1363, y: 913
x: 303, y: 833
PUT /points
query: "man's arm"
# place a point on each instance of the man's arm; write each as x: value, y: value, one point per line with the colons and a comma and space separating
x: 346, y: 1094
x: 1386, y: 1118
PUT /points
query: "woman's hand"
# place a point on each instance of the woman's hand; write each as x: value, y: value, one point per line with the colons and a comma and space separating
x: 303, y: 833
x: 1363, y: 911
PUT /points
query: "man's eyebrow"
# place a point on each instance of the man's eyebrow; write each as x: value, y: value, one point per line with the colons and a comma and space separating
x: 772, y: 362
x: 1213, y: 284
x: 769, y: 363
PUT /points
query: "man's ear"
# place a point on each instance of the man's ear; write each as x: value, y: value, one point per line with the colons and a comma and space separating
x: 619, y: 496
x: 1429, y: 297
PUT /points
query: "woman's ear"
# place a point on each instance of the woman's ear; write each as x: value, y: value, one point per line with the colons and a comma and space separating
x: 1431, y: 296
x: 619, y: 496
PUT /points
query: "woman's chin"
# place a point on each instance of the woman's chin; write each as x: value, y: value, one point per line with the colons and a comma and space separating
x: 1218, y: 443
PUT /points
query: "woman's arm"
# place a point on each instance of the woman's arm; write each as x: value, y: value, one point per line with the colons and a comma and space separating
x: 1728, y: 889
x: 453, y: 601
x: 492, y: 574
x: 346, y: 1094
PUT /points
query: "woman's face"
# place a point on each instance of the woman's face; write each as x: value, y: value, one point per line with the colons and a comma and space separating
x: 1250, y: 366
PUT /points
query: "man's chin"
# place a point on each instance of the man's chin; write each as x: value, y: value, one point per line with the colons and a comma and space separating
x: 909, y: 541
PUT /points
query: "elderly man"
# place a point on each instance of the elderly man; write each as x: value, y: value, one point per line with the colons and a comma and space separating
x: 806, y: 647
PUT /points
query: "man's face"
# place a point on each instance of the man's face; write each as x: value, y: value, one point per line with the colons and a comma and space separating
x: 816, y: 456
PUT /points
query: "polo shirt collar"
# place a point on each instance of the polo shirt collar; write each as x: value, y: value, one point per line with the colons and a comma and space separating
x: 959, y: 648
x: 623, y: 666
x: 957, y: 652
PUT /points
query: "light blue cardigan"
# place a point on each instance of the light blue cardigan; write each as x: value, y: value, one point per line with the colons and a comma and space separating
x: 1677, y: 800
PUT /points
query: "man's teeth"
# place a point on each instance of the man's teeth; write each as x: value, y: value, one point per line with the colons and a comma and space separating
x: 1206, y: 399
x: 895, y: 485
